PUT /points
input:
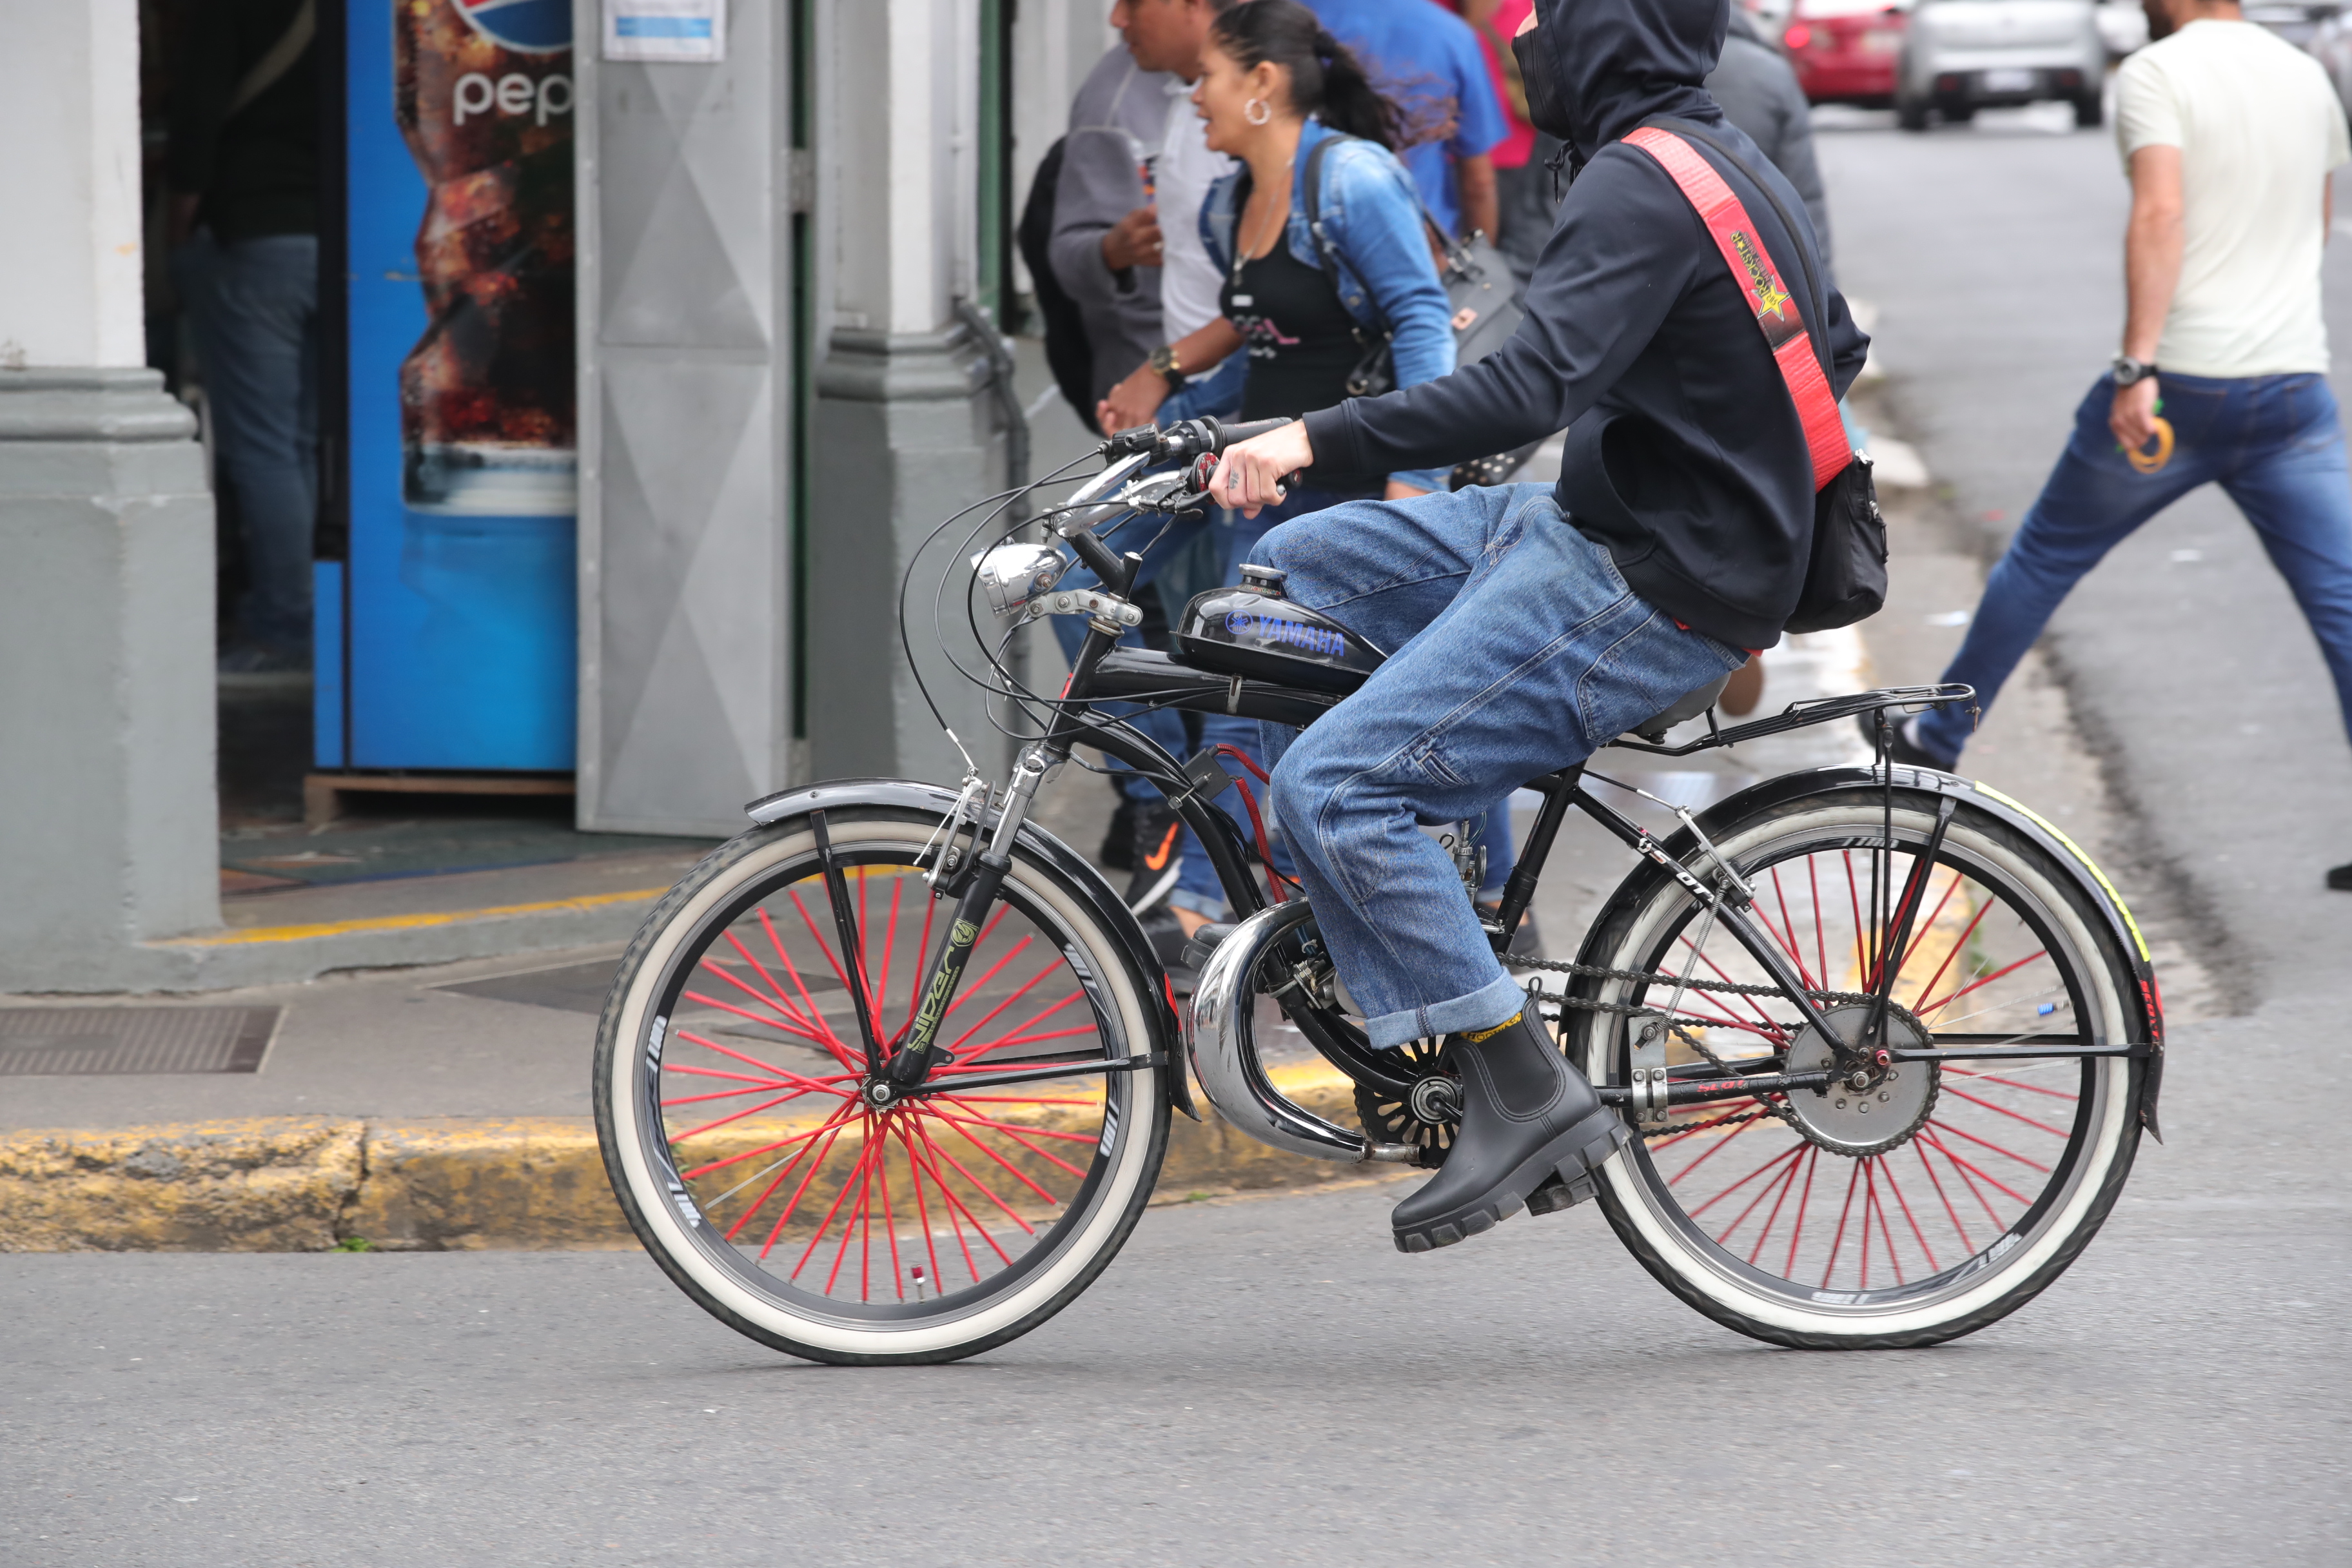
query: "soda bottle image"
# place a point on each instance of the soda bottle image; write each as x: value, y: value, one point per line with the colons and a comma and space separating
x: 482, y: 93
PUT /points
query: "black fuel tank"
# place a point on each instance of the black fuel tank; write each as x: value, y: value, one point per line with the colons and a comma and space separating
x: 1248, y: 631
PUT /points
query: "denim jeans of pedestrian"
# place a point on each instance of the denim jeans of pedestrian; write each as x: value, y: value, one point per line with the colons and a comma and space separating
x: 254, y: 304
x: 1515, y: 649
x: 2275, y: 445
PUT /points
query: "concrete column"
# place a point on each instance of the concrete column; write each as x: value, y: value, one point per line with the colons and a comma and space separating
x: 903, y: 431
x: 108, y: 824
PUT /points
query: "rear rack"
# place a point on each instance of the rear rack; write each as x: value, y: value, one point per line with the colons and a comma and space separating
x: 1815, y: 711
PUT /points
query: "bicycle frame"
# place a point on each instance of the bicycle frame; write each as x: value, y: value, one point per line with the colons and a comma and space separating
x: 1103, y: 670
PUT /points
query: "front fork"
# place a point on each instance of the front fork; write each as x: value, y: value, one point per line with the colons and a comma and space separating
x: 908, y: 1067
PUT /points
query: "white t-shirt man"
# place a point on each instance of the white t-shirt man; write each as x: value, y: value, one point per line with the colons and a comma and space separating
x: 1189, y: 281
x: 2258, y: 127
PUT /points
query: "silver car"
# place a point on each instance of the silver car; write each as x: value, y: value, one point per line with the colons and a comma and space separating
x: 1959, y: 55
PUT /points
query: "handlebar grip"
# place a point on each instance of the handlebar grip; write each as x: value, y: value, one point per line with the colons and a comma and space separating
x: 1232, y: 435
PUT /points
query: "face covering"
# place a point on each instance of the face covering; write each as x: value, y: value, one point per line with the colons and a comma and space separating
x: 1547, y: 107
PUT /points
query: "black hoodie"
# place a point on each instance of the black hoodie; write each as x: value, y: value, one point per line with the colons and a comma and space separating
x: 1685, y: 456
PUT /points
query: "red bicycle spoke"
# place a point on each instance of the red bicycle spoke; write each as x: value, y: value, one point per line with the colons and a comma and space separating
x: 918, y: 971
x: 972, y: 988
x: 1853, y: 898
x: 1786, y: 935
x: 958, y: 1125
x: 857, y: 1215
x: 783, y: 1169
x: 889, y: 946
x: 846, y: 1110
x: 938, y: 1151
x: 678, y: 1138
x: 1959, y: 945
x: 778, y: 1000
x: 1945, y: 1197
x: 1797, y: 1233
x: 1989, y: 1144
x: 2017, y: 1115
x: 1985, y: 1078
x: 833, y: 1040
x: 1784, y: 1157
x: 1787, y: 1181
x: 864, y: 1152
x: 1837, y: 1242
x: 922, y: 1206
x: 1027, y: 1022
x: 1821, y: 926
x: 832, y: 1136
x: 1676, y: 1180
x: 1983, y: 981
x: 1905, y: 1204
x: 959, y: 1206
x: 1920, y: 935
x: 1976, y: 1170
x: 783, y: 1074
x: 890, y: 1227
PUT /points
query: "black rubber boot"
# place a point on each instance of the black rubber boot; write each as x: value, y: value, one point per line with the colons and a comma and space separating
x: 1529, y: 1123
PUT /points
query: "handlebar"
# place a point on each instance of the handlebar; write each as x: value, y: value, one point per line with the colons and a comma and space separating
x: 1187, y: 438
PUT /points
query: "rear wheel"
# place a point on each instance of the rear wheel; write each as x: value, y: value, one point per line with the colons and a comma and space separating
x: 1947, y: 1194
x: 729, y: 1071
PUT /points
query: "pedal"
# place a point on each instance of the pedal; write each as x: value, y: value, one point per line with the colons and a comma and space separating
x: 1555, y: 1194
x: 1204, y: 943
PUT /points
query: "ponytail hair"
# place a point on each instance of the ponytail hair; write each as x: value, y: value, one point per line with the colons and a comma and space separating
x: 1325, y: 78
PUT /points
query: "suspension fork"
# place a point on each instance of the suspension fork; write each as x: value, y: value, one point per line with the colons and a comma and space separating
x: 914, y: 1060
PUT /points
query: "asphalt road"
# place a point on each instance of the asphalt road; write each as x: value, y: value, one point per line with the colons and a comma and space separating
x: 1267, y: 1382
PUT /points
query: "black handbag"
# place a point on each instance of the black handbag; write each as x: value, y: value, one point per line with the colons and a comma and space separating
x: 1486, y: 312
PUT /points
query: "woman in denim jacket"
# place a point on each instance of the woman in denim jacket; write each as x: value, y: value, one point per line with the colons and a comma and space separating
x: 1274, y: 86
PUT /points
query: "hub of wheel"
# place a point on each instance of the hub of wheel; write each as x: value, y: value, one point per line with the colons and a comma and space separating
x: 1872, y: 1109
x: 1425, y: 1116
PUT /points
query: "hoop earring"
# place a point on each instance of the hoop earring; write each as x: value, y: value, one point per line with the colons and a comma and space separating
x: 1257, y: 112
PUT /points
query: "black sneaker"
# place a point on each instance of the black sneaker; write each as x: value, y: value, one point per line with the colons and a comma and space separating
x: 1155, y: 856
x: 1118, y: 851
x: 2340, y: 878
x: 1900, y: 747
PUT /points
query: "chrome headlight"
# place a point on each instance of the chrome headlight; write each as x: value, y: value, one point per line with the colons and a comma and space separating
x: 1013, y: 574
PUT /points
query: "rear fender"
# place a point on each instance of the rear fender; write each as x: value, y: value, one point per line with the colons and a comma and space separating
x: 2145, y: 1014
x: 913, y: 795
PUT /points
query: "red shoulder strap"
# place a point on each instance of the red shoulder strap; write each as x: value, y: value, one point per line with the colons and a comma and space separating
x: 1775, y: 310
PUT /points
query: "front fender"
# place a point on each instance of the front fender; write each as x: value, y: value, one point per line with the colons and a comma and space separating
x: 2102, y: 893
x: 913, y: 795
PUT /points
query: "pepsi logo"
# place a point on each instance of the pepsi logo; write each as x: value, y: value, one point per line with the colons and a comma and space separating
x: 531, y: 27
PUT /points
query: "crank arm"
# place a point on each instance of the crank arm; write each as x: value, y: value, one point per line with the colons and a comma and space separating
x: 954, y: 1084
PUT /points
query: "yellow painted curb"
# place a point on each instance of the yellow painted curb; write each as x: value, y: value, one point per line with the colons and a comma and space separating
x: 310, y: 1183
x: 408, y: 922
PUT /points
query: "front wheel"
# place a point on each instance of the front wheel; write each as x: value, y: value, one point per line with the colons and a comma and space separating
x: 1944, y: 1196
x: 729, y: 1073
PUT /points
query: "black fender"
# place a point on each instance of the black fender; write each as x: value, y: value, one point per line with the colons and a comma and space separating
x: 913, y: 795
x: 2092, y: 881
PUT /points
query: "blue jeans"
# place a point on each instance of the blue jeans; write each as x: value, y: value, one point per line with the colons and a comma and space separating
x: 2273, y: 443
x: 254, y: 304
x: 1517, y: 650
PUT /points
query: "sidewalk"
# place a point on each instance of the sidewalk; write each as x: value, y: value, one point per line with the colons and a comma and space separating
x: 445, y: 1104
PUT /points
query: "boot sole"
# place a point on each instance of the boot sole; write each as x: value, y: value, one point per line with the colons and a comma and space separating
x: 1562, y: 1174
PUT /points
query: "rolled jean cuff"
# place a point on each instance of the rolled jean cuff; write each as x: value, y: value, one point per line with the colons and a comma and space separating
x: 1481, y: 1009
x: 1199, y: 903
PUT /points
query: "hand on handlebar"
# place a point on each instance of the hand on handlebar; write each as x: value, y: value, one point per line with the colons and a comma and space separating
x: 1250, y: 478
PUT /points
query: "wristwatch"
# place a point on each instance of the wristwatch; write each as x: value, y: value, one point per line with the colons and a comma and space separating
x: 2129, y: 372
x: 1163, y: 359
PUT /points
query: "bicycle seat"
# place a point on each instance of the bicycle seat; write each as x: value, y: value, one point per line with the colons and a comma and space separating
x: 1689, y: 705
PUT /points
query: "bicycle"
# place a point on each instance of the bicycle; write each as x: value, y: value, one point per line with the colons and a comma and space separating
x: 888, y: 1078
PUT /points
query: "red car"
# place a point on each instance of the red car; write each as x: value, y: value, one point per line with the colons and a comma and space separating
x: 1844, y: 50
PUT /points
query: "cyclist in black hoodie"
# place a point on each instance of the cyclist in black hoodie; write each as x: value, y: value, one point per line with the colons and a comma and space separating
x: 1529, y: 626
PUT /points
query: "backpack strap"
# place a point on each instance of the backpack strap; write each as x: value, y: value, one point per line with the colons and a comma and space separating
x: 1777, y: 314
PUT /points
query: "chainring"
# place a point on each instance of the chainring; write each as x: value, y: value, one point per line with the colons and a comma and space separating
x: 1391, y: 1119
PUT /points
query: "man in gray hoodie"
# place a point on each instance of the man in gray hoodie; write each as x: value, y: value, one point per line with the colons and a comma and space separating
x: 1106, y: 247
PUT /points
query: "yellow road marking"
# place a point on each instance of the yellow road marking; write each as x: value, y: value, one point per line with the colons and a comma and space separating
x: 409, y: 923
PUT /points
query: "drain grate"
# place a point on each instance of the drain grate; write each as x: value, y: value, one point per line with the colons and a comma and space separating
x: 85, y: 1042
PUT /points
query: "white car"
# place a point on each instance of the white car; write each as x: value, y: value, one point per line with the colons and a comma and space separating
x: 1960, y: 56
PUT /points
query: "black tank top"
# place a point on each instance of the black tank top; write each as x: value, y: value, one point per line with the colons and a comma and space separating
x: 1300, y: 339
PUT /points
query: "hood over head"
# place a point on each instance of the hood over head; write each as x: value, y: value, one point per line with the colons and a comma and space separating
x: 1619, y: 61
